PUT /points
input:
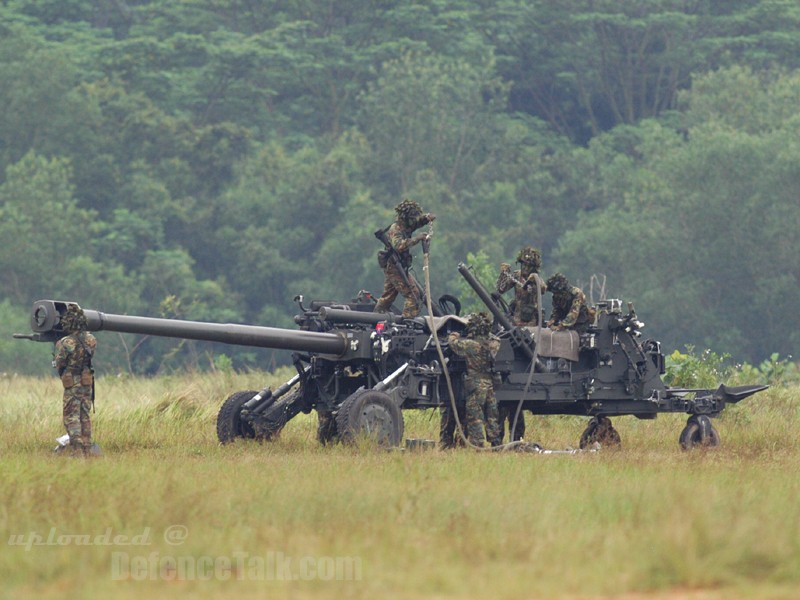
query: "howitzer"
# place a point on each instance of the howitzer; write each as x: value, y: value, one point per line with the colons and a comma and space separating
x: 604, y: 373
x: 356, y: 368
x: 359, y: 370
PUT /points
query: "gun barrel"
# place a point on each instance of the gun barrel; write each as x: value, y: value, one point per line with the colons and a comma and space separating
x: 47, y: 313
x: 338, y: 315
x: 484, y: 295
x: 519, y: 337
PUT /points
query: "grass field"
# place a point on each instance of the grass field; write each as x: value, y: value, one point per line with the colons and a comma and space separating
x: 289, y: 519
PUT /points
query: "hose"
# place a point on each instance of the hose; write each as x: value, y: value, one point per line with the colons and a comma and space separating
x: 432, y: 328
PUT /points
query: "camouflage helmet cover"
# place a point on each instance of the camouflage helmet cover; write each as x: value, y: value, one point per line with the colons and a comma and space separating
x: 408, y: 210
x: 530, y: 256
x: 479, y: 325
x: 557, y: 283
x: 74, y: 319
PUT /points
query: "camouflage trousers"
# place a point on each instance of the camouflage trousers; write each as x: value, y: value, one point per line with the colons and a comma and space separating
x: 448, y: 437
x: 326, y: 427
x: 482, y: 413
x: 77, y: 416
x: 393, y: 285
x: 507, y: 412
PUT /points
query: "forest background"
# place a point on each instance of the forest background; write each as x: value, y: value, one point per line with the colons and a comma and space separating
x: 211, y: 159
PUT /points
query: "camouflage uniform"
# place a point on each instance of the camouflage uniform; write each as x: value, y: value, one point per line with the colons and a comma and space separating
x: 526, y: 308
x: 326, y: 426
x: 525, y: 314
x: 448, y: 438
x: 73, y: 361
x: 409, y: 219
x: 478, y: 348
x: 506, y: 413
x: 569, y: 306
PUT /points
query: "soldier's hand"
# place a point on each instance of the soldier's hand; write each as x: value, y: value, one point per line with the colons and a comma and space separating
x: 431, y: 217
x: 505, y: 267
x: 419, y: 238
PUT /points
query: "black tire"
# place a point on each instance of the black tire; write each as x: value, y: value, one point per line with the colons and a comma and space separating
x: 229, y: 421
x: 692, y: 436
x: 371, y: 414
x: 602, y: 431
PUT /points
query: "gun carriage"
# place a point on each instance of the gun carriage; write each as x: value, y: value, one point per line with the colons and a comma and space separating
x: 359, y: 370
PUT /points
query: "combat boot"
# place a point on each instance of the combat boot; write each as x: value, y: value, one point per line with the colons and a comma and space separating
x: 74, y: 449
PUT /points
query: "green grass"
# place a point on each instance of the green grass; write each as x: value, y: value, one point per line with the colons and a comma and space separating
x: 645, y: 521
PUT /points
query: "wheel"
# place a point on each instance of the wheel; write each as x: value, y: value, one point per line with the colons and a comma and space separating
x: 372, y: 414
x: 602, y: 431
x: 229, y: 419
x: 699, y: 432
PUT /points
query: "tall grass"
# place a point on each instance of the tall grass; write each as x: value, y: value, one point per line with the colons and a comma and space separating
x: 647, y: 520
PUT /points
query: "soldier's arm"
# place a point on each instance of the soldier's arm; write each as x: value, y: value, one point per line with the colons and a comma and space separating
x: 504, y: 281
x: 578, y: 300
x: 64, y: 347
x: 461, y: 345
x: 400, y: 242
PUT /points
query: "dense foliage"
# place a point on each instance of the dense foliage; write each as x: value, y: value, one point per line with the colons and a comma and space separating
x: 211, y: 159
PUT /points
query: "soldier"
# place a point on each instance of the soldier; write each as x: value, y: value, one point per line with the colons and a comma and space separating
x: 448, y: 437
x: 73, y: 361
x: 395, y: 260
x: 569, y: 306
x: 479, y: 348
x: 525, y: 314
x: 523, y: 280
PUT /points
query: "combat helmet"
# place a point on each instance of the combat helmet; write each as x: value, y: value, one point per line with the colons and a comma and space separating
x: 408, y: 210
x: 557, y: 283
x: 479, y: 325
x: 530, y: 256
x: 74, y: 319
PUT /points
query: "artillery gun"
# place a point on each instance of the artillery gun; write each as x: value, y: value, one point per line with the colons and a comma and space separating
x: 359, y: 370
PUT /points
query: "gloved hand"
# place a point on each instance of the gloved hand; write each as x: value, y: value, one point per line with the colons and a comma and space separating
x: 431, y: 217
x: 505, y: 268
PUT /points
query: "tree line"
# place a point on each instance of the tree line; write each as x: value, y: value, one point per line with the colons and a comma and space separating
x: 212, y: 159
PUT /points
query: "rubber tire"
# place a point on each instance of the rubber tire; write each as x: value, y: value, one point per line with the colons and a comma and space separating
x: 600, y: 430
x: 690, y: 437
x: 359, y: 414
x: 229, y: 422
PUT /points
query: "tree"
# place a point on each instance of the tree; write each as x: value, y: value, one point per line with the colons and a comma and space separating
x: 707, y: 232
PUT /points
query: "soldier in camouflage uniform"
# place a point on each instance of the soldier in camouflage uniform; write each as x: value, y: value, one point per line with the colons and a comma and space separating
x: 448, y: 436
x: 569, y: 306
x: 523, y: 280
x: 525, y: 314
x: 479, y: 348
x: 73, y: 361
x: 409, y: 218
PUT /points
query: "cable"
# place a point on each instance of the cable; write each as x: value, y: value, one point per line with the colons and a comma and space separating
x: 434, y: 333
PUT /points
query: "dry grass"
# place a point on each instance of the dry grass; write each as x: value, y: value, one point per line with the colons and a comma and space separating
x: 644, y: 522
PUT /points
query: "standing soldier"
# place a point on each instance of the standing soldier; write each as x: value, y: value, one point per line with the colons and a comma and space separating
x: 526, y: 307
x: 73, y: 361
x: 569, y: 306
x: 395, y: 260
x: 479, y: 348
x: 525, y: 314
